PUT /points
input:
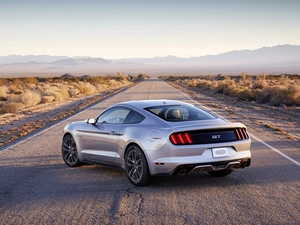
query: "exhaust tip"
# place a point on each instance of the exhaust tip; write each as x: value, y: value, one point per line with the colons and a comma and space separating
x: 245, y: 163
x: 182, y: 172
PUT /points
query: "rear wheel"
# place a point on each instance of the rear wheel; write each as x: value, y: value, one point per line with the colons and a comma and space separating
x: 136, y: 167
x: 69, y: 151
x: 220, y: 173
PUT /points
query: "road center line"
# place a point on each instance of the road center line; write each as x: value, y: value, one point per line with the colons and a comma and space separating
x: 275, y: 150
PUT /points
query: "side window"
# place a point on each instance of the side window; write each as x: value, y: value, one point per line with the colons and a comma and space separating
x: 134, y: 117
x: 114, y: 115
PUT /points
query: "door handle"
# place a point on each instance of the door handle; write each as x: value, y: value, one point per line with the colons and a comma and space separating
x: 113, y: 132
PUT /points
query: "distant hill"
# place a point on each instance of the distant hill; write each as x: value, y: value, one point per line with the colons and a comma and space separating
x: 280, y: 53
x: 67, y: 75
x: 84, y: 61
x: 10, y: 59
x: 273, y: 60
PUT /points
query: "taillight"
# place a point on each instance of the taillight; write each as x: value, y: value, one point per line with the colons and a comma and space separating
x: 241, y: 133
x: 183, y: 138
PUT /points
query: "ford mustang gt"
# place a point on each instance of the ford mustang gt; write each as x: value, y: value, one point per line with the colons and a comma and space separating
x: 150, y: 138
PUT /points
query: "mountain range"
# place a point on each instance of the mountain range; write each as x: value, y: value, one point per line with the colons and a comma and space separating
x: 276, y: 60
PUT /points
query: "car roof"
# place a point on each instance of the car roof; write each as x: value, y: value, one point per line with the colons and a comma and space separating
x: 148, y: 103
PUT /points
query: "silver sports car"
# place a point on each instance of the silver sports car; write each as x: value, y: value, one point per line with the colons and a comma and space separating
x: 151, y: 138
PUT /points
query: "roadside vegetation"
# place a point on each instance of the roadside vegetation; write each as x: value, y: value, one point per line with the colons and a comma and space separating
x: 276, y: 90
x: 20, y: 93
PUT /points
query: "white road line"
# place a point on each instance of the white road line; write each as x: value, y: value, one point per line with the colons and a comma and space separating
x: 276, y: 150
x: 261, y: 141
x: 34, y: 135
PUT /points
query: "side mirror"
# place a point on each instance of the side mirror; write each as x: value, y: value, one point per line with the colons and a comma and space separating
x: 91, y: 121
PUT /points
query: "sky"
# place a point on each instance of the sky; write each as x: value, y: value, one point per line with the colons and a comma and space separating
x: 114, y: 29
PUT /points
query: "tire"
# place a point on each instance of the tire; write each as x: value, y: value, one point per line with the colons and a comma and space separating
x: 220, y: 173
x: 136, y: 167
x: 69, y: 151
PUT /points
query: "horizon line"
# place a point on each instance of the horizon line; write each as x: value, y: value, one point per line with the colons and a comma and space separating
x: 142, y: 57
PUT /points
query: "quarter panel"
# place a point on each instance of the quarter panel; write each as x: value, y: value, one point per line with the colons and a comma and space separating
x: 148, y: 137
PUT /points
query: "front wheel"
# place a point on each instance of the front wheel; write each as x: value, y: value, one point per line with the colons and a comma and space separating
x: 69, y: 151
x: 136, y: 167
x: 220, y: 173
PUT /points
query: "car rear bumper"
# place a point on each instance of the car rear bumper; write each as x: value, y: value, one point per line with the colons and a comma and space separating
x: 205, y: 162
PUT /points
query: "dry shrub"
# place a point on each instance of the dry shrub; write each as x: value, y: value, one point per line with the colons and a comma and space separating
x: 86, y: 88
x: 30, y: 98
x: 57, y: 96
x: 16, y: 82
x: 259, y: 84
x: 204, y: 84
x: 75, y: 85
x: 244, y: 76
x: 266, y: 95
x: 47, y: 99
x: 63, y: 86
x: 64, y: 93
x: 3, y: 91
x: 98, y: 80
x: 280, y: 95
x: 125, y: 81
x: 100, y: 87
x: 31, y: 86
x: 235, y: 90
x: 53, y: 89
x: 247, y: 82
x: 214, y: 85
x: 14, y: 98
x: 290, y: 95
x: 209, y: 77
x: 40, y: 88
x: 113, y: 83
x: 192, y: 83
x: 30, y: 80
x: 73, y: 92
x: 225, y: 86
x: 278, y: 98
x: 247, y: 95
x: 11, y: 107
x: 142, y: 76
x: 16, y: 90
x: 284, y: 80
x: 45, y: 87
x: 2, y: 81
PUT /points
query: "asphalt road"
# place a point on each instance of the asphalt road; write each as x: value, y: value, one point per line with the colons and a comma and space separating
x: 36, y: 187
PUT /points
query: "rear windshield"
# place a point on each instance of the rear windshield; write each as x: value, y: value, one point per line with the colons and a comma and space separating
x: 177, y: 113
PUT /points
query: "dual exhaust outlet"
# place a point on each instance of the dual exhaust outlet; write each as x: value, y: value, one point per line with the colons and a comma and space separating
x: 229, y: 166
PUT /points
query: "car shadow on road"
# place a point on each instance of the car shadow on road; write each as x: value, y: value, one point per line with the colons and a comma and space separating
x: 59, y: 177
x: 57, y: 183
